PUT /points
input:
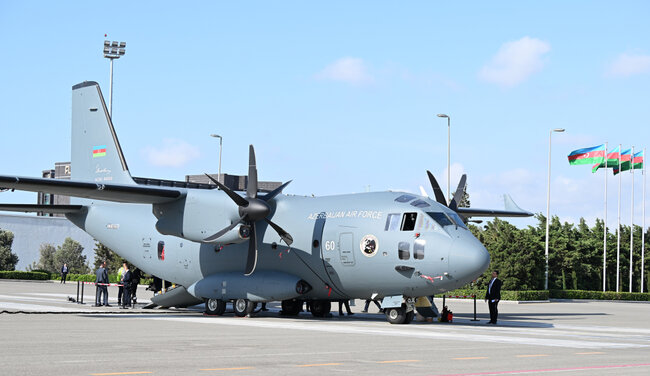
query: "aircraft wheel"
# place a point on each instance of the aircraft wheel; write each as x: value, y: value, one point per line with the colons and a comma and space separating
x: 397, y: 315
x: 243, y: 307
x: 215, y: 307
x: 320, y: 308
x: 291, y: 307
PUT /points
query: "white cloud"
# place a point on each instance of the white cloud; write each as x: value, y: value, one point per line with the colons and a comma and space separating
x: 172, y: 153
x: 347, y: 69
x: 627, y: 65
x: 515, y: 62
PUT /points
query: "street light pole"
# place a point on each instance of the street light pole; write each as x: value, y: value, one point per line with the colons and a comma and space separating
x: 220, y: 148
x: 112, y: 50
x: 548, y: 204
x: 448, y: 154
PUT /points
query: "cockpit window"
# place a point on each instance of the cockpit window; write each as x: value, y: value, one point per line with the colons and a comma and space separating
x: 408, y: 221
x: 456, y: 218
x: 393, y: 222
x: 441, y: 218
x: 418, y: 249
x: 420, y: 204
x: 404, y: 198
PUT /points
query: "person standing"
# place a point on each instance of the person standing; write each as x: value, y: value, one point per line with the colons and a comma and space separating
x: 126, y: 282
x: 492, y: 296
x: 365, y: 307
x: 345, y: 303
x: 120, y: 289
x: 101, y: 280
x: 64, y: 272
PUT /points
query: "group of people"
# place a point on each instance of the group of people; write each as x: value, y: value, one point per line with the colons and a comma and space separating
x: 126, y: 291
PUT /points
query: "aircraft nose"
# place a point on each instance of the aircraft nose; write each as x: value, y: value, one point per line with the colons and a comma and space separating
x: 469, y: 258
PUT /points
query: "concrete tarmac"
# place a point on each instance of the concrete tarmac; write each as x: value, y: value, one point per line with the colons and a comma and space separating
x: 43, y: 333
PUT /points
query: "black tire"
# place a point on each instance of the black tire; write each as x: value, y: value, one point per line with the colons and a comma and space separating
x: 243, y: 307
x: 291, y: 307
x: 215, y: 307
x: 320, y: 308
x: 396, y: 315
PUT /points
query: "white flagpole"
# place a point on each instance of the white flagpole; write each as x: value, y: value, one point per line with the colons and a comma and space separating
x: 643, y: 228
x: 632, y: 217
x: 618, y: 227
x: 605, y: 226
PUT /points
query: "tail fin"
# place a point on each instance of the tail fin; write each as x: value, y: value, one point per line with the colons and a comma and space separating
x: 96, y: 153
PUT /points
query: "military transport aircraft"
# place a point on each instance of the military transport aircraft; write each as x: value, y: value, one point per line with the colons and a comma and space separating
x: 221, y: 246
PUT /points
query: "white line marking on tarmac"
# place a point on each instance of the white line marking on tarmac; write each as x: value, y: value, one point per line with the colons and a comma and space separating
x: 416, y: 331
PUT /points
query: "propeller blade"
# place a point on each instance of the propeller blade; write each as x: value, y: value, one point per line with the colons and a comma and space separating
x: 251, y: 187
x: 271, y: 195
x: 453, y: 205
x: 239, y: 200
x: 283, y: 234
x: 222, y: 232
x: 440, y: 197
x: 251, y: 260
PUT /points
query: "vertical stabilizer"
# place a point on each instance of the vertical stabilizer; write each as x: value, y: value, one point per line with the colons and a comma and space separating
x: 96, y: 154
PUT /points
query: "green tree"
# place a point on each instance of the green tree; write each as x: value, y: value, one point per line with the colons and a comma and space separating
x: 46, y: 259
x: 103, y: 253
x: 8, y: 259
x: 70, y: 252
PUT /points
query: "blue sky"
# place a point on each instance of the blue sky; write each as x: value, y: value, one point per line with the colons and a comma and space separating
x: 341, y: 97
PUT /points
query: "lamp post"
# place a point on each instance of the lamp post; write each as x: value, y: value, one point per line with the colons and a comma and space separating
x: 112, y: 50
x: 220, y: 148
x: 448, y: 153
x: 548, y: 203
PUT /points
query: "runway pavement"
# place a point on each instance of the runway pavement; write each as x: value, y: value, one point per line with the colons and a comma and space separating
x: 56, y: 336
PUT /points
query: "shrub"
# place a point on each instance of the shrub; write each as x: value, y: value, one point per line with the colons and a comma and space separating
x: 24, y: 275
x: 599, y: 295
x: 505, y: 295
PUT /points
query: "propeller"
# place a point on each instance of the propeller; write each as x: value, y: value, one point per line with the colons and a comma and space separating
x: 440, y: 197
x: 251, y: 210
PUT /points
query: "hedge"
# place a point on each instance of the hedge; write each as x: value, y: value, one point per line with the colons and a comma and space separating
x: 599, y: 295
x: 112, y: 278
x: 24, y: 275
x: 505, y: 295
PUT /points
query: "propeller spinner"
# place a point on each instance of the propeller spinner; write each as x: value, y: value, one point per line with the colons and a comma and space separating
x: 251, y: 210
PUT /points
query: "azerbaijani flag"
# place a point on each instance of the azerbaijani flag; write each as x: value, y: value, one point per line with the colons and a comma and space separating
x: 612, y: 160
x: 99, y: 151
x: 637, y: 162
x: 591, y: 155
x: 626, y: 157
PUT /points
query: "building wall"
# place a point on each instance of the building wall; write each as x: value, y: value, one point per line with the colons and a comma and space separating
x: 31, y: 231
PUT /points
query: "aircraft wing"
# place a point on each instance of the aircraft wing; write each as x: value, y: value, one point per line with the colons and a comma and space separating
x: 511, y: 210
x: 135, y: 194
x: 28, y: 208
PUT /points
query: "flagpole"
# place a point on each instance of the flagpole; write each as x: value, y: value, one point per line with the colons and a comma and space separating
x: 632, y: 217
x: 618, y: 228
x: 643, y: 228
x: 605, y: 227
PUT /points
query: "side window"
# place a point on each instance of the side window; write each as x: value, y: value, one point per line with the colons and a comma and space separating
x: 418, y: 249
x: 403, y: 249
x: 392, y: 222
x: 408, y: 221
x: 161, y: 250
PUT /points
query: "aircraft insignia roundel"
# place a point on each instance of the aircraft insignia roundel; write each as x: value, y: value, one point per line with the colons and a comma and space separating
x: 369, y: 245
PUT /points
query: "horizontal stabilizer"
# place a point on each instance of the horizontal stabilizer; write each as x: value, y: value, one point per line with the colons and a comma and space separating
x: 50, y: 209
x: 511, y: 210
x: 135, y: 194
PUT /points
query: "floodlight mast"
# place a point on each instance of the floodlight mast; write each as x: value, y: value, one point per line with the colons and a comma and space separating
x: 112, y: 50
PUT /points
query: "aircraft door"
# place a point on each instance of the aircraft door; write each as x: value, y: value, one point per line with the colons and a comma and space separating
x: 346, y: 248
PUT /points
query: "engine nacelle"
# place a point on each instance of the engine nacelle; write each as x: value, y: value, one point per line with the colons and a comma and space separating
x: 199, y: 215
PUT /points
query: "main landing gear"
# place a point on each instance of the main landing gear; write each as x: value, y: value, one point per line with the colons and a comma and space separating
x: 243, y: 307
x: 215, y: 307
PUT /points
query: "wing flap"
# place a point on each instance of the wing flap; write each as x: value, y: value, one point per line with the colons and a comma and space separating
x: 135, y: 194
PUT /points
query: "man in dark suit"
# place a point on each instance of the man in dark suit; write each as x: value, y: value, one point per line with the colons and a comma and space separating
x: 101, y: 280
x: 126, y: 281
x: 492, y: 296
